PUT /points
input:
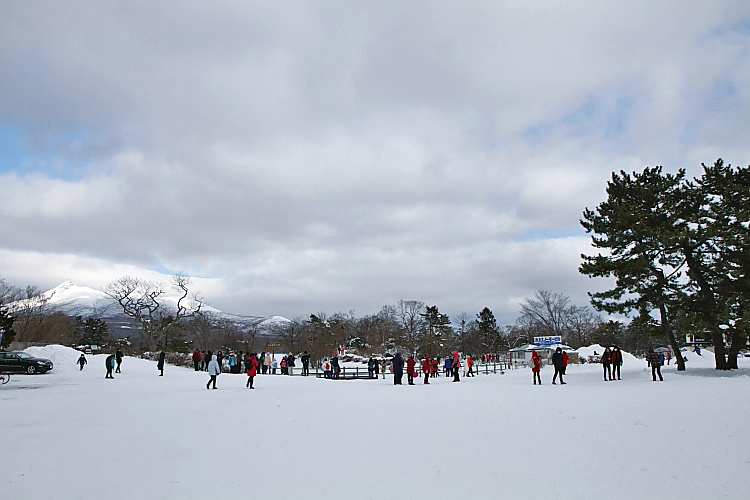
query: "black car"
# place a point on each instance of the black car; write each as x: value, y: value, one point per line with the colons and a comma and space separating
x: 21, y: 362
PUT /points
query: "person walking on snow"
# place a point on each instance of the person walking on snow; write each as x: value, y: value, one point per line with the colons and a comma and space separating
x: 606, y: 362
x: 213, y: 371
x: 82, y: 361
x: 470, y: 366
x: 160, y: 363
x: 557, y: 361
x: 655, y: 361
x: 251, y: 367
x: 110, y: 364
x: 536, y: 366
x: 427, y: 368
x: 118, y: 359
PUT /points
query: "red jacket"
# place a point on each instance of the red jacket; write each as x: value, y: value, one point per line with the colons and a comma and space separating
x: 616, y: 357
x: 535, y: 363
x: 426, y: 365
x: 565, y: 359
x: 410, y: 364
x: 253, y: 369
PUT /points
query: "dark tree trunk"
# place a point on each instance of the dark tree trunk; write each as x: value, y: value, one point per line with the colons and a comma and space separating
x: 667, y: 332
x: 708, y: 308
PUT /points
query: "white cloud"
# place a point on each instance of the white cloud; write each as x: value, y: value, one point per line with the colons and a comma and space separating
x: 341, y: 156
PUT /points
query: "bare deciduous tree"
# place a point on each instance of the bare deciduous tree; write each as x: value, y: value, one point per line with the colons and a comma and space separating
x: 144, y: 301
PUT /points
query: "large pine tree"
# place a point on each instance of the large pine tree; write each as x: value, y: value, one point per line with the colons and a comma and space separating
x: 635, y: 227
x: 679, y: 247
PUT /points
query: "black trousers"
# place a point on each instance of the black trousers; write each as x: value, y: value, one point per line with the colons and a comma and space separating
x: 558, y: 371
x: 426, y: 377
x: 117, y: 370
x: 397, y: 378
x: 249, y: 381
x: 607, y: 372
x: 537, y: 376
x: 616, y: 371
x: 211, y: 380
x: 455, y: 374
x: 410, y: 378
x: 656, y: 370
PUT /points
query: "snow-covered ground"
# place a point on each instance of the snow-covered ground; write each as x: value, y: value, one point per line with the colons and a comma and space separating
x: 74, y: 435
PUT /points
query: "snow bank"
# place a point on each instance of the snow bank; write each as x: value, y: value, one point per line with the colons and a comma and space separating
x: 628, y: 360
x: 63, y: 358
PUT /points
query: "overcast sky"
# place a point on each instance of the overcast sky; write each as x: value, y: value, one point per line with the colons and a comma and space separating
x: 303, y: 157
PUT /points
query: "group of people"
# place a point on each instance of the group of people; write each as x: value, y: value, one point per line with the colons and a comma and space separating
x: 264, y: 363
x: 267, y: 362
x: 430, y: 368
x: 559, y: 361
x: 611, y: 362
x: 111, y: 363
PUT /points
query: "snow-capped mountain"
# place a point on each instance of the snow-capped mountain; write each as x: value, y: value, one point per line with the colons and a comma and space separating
x: 75, y: 300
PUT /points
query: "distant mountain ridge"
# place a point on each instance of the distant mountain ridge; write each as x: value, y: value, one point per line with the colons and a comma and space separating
x: 75, y: 300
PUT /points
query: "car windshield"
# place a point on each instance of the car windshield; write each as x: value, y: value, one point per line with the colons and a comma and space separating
x: 24, y: 355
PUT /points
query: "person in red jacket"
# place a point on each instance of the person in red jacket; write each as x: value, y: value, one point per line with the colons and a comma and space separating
x: 410, y: 363
x: 426, y: 368
x: 536, y: 365
x: 251, y: 367
x: 197, y: 358
x: 616, y: 362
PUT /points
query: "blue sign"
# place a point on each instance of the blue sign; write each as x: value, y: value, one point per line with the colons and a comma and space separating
x: 548, y: 340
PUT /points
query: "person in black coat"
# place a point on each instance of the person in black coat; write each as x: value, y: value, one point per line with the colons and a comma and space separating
x: 160, y: 363
x: 557, y: 361
x: 118, y: 359
x: 606, y: 363
x: 290, y: 364
x: 398, y: 368
x: 110, y: 364
x: 305, y: 363
x: 335, y: 367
